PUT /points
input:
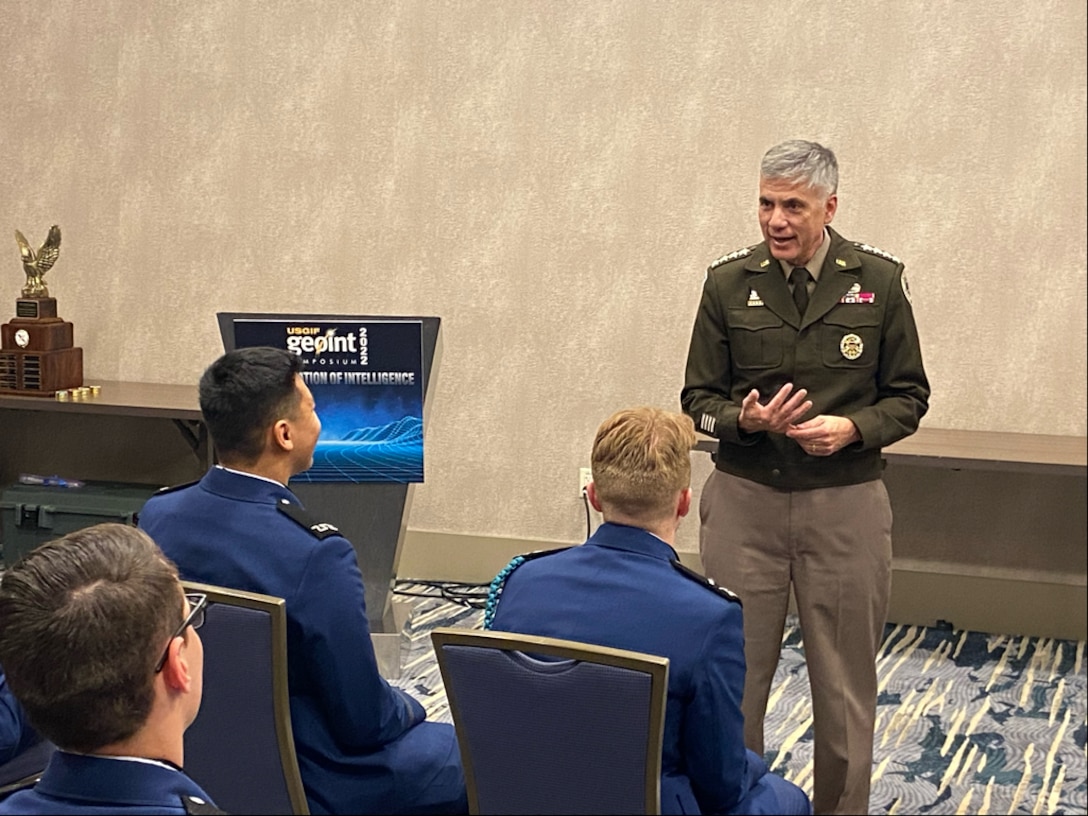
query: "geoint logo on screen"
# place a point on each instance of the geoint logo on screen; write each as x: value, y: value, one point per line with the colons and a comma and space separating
x: 314, y: 341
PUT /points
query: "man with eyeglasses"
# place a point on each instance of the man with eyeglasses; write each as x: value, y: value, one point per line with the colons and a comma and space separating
x: 363, y: 745
x: 99, y: 644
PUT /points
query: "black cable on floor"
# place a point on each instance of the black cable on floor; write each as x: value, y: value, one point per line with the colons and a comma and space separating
x: 462, y: 593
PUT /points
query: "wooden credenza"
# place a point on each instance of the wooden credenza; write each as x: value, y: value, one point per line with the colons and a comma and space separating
x: 990, y: 531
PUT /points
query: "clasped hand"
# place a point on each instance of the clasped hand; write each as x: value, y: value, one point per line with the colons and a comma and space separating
x: 820, y: 436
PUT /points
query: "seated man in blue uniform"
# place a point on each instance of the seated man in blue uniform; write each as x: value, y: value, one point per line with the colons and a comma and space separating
x: 625, y: 588
x: 363, y: 746
x: 98, y: 640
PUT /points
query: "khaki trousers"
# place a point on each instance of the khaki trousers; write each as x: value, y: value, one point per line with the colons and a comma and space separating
x: 834, y: 546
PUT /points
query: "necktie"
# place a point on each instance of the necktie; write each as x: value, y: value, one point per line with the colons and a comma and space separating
x: 799, y: 280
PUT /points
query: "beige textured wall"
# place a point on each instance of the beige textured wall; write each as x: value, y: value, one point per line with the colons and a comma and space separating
x: 551, y: 178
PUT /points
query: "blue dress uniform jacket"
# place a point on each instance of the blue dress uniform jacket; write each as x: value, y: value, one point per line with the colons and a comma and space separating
x: 75, y: 783
x: 15, y: 731
x: 362, y: 745
x: 620, y: 589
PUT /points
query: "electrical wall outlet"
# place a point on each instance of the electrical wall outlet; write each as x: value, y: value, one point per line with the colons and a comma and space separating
x: 585, y: 476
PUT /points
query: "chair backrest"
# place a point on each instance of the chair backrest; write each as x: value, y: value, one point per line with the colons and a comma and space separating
x: 554, y: 726
x: 26, y: 768
x: 241, y: 749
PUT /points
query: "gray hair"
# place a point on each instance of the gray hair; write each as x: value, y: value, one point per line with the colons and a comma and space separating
x: 798, y: 160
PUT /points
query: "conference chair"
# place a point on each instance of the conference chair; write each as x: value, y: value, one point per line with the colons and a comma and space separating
x: 26, y: 768
x: 240, y: 748
x: 553, y: 726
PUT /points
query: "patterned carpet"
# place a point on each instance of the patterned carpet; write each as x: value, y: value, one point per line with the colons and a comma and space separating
x: 966, y: 722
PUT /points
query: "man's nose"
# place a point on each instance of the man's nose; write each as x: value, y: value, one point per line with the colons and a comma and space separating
x: 778, y: 217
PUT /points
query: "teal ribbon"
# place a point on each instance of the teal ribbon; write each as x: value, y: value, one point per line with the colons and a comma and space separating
x: 495, y: 589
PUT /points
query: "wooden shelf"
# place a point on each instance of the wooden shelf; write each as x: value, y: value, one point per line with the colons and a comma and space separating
x: 119, y: 398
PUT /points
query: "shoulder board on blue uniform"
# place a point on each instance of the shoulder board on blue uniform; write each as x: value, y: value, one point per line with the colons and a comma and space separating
x: 195, y: 806
x: 494, y: 590
x: 707, y: 582
x: 319, y: 529
x: 872, y: 250
x: 732, y: 256
x: 171, y: 488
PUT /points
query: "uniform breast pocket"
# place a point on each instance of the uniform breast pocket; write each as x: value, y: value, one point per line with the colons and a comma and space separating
x: 755, y: 335
x: 850, y: 337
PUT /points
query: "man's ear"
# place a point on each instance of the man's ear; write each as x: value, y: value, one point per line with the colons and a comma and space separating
x: 175, y: 671
x: 830, y: 207
x: 282, y: 436
x: 683, y: 504
x: 591, y: 494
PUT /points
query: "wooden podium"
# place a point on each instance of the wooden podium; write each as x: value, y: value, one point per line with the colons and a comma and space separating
x: 38, y: 356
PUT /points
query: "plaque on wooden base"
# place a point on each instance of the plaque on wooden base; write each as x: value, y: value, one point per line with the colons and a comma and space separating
x: 37, y: 354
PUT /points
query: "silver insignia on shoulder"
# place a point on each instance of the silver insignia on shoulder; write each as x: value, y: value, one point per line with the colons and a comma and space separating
x: 872, y: 250
x: 732, y: 256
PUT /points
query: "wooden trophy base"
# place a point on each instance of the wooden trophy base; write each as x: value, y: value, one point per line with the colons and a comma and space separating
x: 46, y: 334
x: 40, y: 373
x: 35, y: 308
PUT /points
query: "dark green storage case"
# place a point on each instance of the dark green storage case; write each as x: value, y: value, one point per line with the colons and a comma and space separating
x: 34, y: 514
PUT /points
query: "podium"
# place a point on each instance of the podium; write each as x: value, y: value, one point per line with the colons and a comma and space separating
x: 373, y: 516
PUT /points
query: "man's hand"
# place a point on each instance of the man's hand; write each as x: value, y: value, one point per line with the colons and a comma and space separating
x: 784, y: 409
x: 824, y: 435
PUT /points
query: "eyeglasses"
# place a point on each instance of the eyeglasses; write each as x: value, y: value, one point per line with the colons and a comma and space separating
x: 195, y: 618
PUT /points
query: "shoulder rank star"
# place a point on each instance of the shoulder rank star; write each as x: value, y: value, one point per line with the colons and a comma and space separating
x: 872, y: 250
x: 732, y: 256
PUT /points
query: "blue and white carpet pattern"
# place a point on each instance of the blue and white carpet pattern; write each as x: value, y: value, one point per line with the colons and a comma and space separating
x: 966, y: 722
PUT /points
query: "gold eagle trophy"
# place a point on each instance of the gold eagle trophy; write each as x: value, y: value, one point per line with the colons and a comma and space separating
x: 37, y: 353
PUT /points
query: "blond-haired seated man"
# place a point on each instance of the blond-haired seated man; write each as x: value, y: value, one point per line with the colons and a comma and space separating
x: 625, y: 588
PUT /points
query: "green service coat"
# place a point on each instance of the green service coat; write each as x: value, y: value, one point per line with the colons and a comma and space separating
x: 856, y: 351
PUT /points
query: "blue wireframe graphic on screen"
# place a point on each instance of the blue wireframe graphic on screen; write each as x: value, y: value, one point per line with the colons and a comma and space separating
x: 366, y: 376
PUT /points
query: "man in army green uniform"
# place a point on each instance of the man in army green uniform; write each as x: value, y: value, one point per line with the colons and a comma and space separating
x: 804, y: 362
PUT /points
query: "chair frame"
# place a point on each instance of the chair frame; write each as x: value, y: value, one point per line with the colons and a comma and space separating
x: 281, y: 701
x: 653, y: 665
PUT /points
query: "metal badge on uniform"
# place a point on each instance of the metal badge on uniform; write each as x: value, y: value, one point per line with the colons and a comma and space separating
x: 851, y: 346
x: 855, y: 295
x: 754, y: 299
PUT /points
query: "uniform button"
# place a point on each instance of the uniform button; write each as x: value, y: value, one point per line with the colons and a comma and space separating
x: 776, y: 473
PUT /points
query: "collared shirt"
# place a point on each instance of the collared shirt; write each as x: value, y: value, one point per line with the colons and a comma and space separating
x: 814, y: 265
x: 255, y: 476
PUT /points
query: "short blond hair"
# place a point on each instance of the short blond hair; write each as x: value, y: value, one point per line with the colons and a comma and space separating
x: 641, y: 459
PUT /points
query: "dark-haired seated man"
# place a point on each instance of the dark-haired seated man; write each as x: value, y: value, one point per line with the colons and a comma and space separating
x: 624, y: 588
x: 99, y: 643
x: 363, y: 746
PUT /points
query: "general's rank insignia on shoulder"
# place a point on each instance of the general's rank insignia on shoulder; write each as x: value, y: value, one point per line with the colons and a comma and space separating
x: 732, y: 256
x: 872, y: 250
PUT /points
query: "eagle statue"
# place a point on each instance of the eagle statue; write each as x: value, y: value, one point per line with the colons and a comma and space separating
x: 36, y: 264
